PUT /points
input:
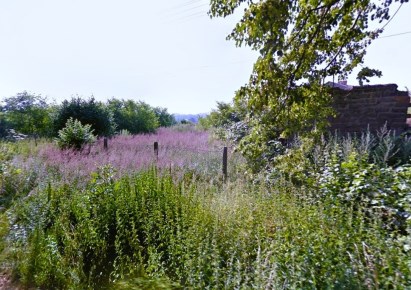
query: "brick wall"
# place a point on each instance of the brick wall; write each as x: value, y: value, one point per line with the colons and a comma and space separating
x: 371, y: 106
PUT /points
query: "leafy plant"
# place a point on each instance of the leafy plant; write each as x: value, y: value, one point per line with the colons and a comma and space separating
x: 75, y: 135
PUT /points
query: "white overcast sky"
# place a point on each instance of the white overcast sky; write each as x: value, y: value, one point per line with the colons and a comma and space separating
x: 168, y: 53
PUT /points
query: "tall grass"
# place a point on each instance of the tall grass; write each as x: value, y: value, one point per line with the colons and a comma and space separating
x: 116, y: 232
x: 179, y: 151
x: 122, y: 226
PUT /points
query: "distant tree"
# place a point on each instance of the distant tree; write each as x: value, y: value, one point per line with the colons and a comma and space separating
x: 165, y: 119
x: 27, y: 113
x: 186, y: 122
x: 135, y: 117
x: 116, y: 108
x: 88, y: 112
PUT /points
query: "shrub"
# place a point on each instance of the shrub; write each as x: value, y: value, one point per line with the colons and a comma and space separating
x: 75, y: 135
x: 369, y: 171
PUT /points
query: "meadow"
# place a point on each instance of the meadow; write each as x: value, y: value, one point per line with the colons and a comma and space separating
x: 331, y: 215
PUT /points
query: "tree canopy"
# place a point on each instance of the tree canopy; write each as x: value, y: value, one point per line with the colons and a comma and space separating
x: 27, y: 113
x: 88, y: 112
x: 135, y: 117
x: 301, y: 43
x: 165, y: 119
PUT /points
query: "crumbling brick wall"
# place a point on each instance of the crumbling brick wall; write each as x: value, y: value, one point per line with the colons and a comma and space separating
x: 362, y: 107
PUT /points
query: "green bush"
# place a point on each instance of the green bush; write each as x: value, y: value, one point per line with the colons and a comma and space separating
x: 368, y: 171
x: 75, y: 135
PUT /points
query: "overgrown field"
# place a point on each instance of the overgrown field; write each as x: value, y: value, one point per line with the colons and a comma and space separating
x: 324, y: 216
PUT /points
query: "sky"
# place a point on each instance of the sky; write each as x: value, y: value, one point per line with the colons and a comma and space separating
x: 167, y: 53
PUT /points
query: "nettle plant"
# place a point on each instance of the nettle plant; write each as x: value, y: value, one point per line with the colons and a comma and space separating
x: 75, y: 135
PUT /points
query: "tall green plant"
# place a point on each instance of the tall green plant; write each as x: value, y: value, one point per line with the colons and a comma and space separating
x: 75, y: 135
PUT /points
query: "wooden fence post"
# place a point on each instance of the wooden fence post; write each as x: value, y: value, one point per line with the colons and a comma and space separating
x: 225, y: 157
x: 105, y: 143
x: 156, y: 150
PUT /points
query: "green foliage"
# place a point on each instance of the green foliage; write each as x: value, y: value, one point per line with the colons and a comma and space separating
x: 186, y: 122
x: 336, y: 215
x: 148, y: 231
x: 370, y: 172
x: 366, y: 73
x: 15, y: 182
x: 135, y: 117
x: 224, y: 115
x: 110, y: 231
x: 164, y: 118
x: 9, y: 175
x: 27, y: 113
x: 228, y: 122
x: 75, y: 135
x: 301, y: 43
x: 145, y: 284
x: 4, y: 125
x: 87, y: 112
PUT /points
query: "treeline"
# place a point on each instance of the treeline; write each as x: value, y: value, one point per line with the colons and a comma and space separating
x: 32, y: 115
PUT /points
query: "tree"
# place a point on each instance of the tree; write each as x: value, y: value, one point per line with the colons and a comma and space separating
x: 135, y: 117
x: 224, y: 115
x: 227, y: 121
x: 88, y: 112
x: 301, y: 43
x: 164, y: 118
x: 27, y: 113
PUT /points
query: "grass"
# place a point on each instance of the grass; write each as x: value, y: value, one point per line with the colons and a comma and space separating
x: 118, y: 232
x: 179, y: 152
x: 146, y: 227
